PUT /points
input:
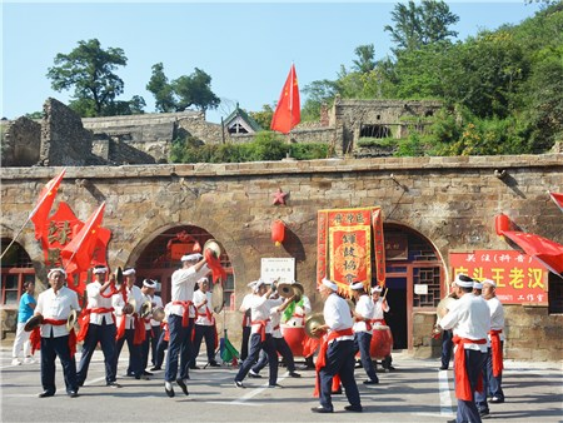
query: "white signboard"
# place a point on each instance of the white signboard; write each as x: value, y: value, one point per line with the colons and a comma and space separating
x: 420, y: 289
x: 278, y: 268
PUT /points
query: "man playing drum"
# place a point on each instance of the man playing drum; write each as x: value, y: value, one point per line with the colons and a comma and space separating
x: 363, y: 315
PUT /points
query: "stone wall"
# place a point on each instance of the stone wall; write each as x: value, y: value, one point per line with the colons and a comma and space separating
x: 21, y: 142
x: 451, y: 201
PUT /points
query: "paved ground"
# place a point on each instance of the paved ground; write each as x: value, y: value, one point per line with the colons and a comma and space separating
x: 416, y: 392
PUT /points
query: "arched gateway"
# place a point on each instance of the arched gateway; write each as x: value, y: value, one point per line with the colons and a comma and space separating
x: 161, y: 257
x: 414, y: 277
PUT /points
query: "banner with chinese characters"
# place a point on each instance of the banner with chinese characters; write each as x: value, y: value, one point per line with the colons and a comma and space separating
x: 344, y: 246
x: 520, y: 279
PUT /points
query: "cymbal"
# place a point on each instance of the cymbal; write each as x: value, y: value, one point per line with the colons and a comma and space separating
x: 72, y: 318
x: 285, y: 290
x: 214, y: 246
x: 158, y: 314
x: 33, y: 322
x: 312, y: 323
x: 218, y: 298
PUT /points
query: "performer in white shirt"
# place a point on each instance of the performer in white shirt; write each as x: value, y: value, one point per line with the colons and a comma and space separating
x: 147, y: 290
x: 470, y: 321
x: 363, y: 317
x: 492, y: 372
x: 277, y: 306
x: 381, y: 306
x: 261, y: 334
x: 294, y: 317
x: 336, y: 355
x: 55, y: 305
x: 181, y: 321
x: 204, y: 323
x: 98, y: 326
x: 130, y: 327
x: 245, y: 310
x: 155, y: 328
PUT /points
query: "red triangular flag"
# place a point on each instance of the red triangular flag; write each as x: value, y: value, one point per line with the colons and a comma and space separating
x: 77, y: 255
x: 288, y: 110
x: 548, y: 252
x: 40, y: 214
x: 558, y: 199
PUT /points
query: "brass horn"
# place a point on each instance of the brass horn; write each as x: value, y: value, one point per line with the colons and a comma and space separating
x: 214, y: 246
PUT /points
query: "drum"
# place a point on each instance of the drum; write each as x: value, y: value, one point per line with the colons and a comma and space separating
x: 294, y: 337
x: 381, y: 342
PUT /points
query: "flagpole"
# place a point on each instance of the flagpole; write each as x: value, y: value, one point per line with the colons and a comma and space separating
x: 16, y: 237
x: 84, y: 236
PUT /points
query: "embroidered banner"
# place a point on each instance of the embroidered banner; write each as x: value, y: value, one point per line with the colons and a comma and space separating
x: 344, y: 246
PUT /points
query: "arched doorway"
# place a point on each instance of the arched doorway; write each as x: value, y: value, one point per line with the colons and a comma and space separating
x: 162, y: 257
x: 17, y: 269
x: 414, y: 275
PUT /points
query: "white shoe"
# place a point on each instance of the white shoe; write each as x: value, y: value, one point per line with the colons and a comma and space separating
x: 30, y: 360
x: 16, y: 362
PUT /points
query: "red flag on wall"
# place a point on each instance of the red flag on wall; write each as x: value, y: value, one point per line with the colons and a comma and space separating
x: 40, y: 214
x: 558, y: 199
x: 288, y: 110
x: 546, y: 251
x: 77, y: 255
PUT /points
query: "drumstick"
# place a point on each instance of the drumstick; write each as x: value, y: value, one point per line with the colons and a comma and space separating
x: 386, y: 291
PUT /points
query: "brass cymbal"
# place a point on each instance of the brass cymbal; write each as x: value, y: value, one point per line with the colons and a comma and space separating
x: 313, y: 322
x: 33, y: 322
x: 214, y: 246
x: 285, y: 290
x: 72, y: 318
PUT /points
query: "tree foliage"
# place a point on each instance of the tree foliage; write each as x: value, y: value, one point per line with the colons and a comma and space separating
x: 89, y: 70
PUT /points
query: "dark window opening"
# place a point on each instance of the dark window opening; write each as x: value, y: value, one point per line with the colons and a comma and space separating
x: 555, y: 294
x: 375, y: 131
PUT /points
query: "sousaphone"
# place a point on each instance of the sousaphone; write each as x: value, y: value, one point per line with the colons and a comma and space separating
x: 214, y: 246
x: 312, y: 323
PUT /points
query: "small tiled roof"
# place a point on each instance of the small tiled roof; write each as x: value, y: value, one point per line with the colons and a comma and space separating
x: 245, y: 116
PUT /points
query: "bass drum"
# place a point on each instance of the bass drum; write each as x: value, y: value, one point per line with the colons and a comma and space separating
x: 294, y: 337
x: 381, y: 342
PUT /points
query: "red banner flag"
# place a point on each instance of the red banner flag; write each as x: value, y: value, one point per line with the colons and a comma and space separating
x: 78, y: 253
x: 558, y: 199
x: 549, y: 253
x: 40, y: 214
x: 288, y: 110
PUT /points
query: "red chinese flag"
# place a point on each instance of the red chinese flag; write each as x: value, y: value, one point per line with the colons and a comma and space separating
x: 558, y: 199
x: 288, y: 111
x: 40, y: 214
x: 548, y: 252
x: 78, y: 254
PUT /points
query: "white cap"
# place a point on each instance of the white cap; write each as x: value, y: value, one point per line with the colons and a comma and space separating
x: 463, y: 283
x: 477, y: 285
x: 202, y: 280
x: 490, y: 282
x: 98, y: 270
x: 192, y: 257
x: 56, y: 269
x: 357, y: 285
x: 329, y: 284
x: 255, y: 285
x: 376, y: 288
x: 129, y: 271
x: 149, y: 283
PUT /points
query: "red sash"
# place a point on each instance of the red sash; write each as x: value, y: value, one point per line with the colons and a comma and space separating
x: 164, y: 326
x: 35, y: 340
x: 262, y: 328
x: 121, y: 329
x: 321, y: 359
x: 496, y: 352
x: 310, y: 345
x: 71, y: 334
x: 186, y: 315
x: 462, y: 386
x: 140, y: 332
x: 85, y: 321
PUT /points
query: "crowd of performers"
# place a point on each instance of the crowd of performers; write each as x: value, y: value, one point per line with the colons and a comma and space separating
x: 113, y: 315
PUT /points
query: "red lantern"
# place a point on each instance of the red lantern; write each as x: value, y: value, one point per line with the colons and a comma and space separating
x: 278, y: 232
x: 502, y: 223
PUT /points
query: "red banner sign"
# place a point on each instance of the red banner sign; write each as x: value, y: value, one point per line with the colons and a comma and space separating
x: 520, y: 279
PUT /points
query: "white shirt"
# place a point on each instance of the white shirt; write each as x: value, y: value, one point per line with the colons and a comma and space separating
x: 183, y: 283
x: 95, y: 300
x: 156, y: 303
x: 119, y: 303
x: 497, y: 315
x: 58, y: 307
x: 469, y: 319
x: 337, y: 315
x: 246, y: 305
x: 378, y: 309
x: 275, y: 316
x: 200, y: 297
x: 299, y: 314
x: 260, y: 310
x: 365, y: 308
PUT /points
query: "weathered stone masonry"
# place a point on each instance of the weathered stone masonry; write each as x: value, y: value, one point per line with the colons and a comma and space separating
x: 451, y: 201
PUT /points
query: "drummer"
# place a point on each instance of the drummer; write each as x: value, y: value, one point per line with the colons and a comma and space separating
x: 363, y: 315
x: 204, y: 324
x: 381, y: 306
x: 55, y: 306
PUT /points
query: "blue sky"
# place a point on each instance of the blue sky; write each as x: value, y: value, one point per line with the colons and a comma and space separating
x: 246, y: 47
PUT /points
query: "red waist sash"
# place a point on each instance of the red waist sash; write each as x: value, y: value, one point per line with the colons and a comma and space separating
x: 496, y: 352
x: 321, y: 359
x: 85, y: 321
x: 71, y: 334
x: 262, y: 328
x: 462, y: 386
x: 186, y: 315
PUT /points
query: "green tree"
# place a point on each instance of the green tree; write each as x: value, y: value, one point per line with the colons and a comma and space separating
x: 90, y: 71
x: 195, y: 90
x: 264, y: 116
x: 365, y: 63
x: 416, y: 26
x: 161, y: 89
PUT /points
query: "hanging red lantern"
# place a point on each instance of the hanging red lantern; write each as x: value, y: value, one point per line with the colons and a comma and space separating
x: 502, y: 223
x: 278, y: 232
